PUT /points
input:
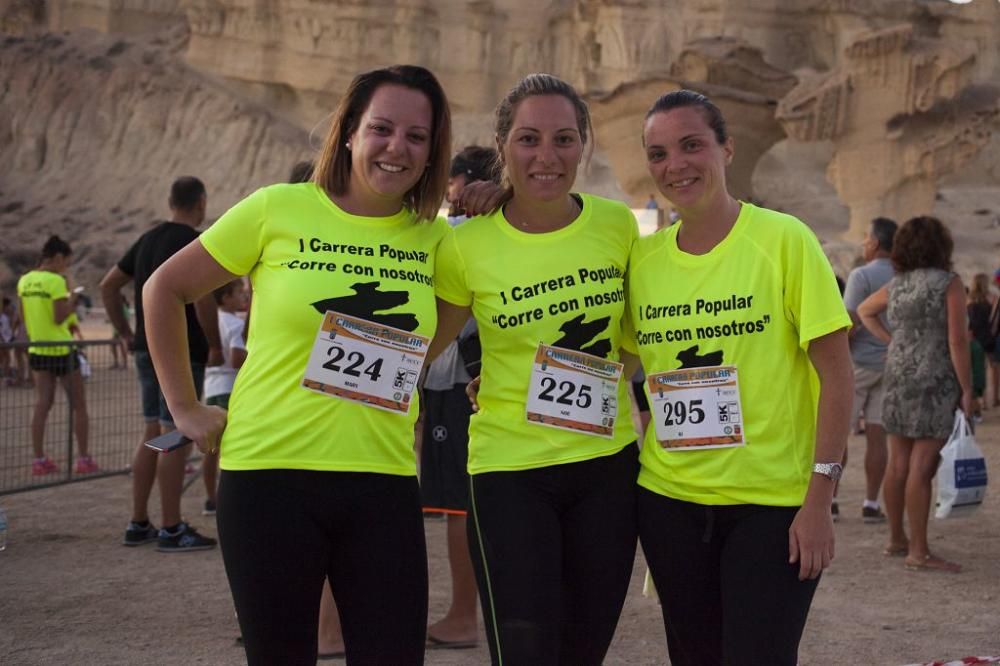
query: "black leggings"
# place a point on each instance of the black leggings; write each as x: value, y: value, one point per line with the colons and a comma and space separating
x: 728, y: 593
x: 553, y: 550
x: 284, y: 531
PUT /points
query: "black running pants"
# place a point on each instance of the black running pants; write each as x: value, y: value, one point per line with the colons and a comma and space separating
x: 283, y: 531
x: 553, y: 550
x: 729, y: 595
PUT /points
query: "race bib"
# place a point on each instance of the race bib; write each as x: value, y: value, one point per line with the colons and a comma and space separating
x: 573, y: 391
x: 354, y: 359
x: 697, y: 408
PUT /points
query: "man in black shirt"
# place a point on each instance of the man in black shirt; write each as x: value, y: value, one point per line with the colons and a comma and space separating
x: 188, y: 201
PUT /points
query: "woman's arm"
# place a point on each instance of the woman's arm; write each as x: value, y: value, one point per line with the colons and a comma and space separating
x: 450, y: 320
x: 869, y: 312
x: 184, y: 278
x: 810, y: 538
x: 958, y: 340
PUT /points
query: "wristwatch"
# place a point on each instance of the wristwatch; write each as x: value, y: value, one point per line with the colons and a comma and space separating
x: 830, y: 470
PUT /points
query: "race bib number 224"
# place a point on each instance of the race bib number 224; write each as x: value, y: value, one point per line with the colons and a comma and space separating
x: 354, y: 359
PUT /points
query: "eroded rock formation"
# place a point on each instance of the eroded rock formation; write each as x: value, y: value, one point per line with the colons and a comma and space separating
x: 901, y: 115
x: 92, y: 131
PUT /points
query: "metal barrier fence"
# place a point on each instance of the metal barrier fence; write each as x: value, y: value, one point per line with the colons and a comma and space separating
x: 115, y: 421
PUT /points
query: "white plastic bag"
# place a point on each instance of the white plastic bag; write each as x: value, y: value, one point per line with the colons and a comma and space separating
x: 962, y: 473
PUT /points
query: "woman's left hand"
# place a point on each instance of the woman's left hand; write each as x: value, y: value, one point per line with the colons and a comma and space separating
x: 810, y: 540
x: 966, y: 403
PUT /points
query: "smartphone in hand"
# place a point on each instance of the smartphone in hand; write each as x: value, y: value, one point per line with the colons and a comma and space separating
x: 168, y: 442
x: 79, y: 290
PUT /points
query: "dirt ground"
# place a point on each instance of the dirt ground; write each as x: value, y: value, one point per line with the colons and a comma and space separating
x: 71, y: 594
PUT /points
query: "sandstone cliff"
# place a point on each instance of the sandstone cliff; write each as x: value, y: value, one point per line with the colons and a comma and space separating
x: 94, y: 128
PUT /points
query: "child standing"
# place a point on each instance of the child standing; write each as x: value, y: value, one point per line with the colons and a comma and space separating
x: 232, y: 299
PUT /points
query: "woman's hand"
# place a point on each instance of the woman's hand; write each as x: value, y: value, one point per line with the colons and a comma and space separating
x: 480, y: 197
x: 472, y: 391
x: 810, y: 539
x: 966, y: 403
x: 204, y: 425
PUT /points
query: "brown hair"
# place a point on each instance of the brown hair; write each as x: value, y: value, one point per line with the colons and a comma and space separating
x: 531, y: 86
x: 922, y: 242
x: 980, y: 292
x: 333, y: 166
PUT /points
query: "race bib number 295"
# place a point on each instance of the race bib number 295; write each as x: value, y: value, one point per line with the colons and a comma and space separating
x: 354, y: 359
x: 697, y: 408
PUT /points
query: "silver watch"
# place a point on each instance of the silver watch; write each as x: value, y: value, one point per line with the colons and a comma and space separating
x: 830, y: 470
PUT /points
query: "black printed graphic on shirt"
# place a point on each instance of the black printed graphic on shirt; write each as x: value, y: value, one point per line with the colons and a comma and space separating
x: 579, y: 335
x: 367, y: 302
x: 690, y: 358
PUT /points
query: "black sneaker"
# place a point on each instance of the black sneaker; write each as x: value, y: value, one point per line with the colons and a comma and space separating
x: 872, y: 515
x: 136, y: 534
x: 209, y: 508
x: 184, y: 540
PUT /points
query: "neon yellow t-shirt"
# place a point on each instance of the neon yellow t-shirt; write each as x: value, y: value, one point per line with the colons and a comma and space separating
x: 755, y: 301
x: 38, y: 290
x: 301, y: 251
x: 564, y: 288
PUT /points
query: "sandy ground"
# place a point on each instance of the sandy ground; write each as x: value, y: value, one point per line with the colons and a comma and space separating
x: 71, y: 594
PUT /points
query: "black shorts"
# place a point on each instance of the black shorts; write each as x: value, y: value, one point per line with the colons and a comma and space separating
x: 57, y: 365
x: 444, y: 454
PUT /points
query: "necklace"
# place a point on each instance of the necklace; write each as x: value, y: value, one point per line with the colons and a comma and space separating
x: 576, y: 209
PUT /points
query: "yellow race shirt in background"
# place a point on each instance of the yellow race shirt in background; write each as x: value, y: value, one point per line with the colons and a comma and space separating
x: 37, y: 291
x: 304, y: 256
x: 564, y: 288
x: 755, y: 301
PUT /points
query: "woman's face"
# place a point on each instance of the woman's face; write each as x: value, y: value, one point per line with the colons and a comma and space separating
x: 60, y: 262
x: 391, y: 147
x: 684, y: 159
x: 544, y: 148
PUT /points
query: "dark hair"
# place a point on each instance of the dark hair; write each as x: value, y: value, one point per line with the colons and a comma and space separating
x: 883, y: 231
x: 475, y: 163
x: 186, y: 192
x: 55, y: 245
x: 220, y: 294
x: 680, y: 99
x: 535, y: 85
x: 333, y: 167
x: 922, y: 242
x: 302, y: 172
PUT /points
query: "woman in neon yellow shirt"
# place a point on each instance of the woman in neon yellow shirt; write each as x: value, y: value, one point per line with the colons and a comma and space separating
x: 740, y: 327
x: 47, y: 308
x: 552, y: 453
x: 318, y: 473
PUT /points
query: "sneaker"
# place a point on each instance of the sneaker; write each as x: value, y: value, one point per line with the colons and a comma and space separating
x: 209, y: 509
x: 42, y: 466
x: 186, y: 539
x: 872, y: 514
x: 835, y: 511
x: 86, y: 465
x: 136, y: 534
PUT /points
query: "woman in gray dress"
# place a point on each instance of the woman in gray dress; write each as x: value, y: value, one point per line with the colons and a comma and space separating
x: 927, y: 375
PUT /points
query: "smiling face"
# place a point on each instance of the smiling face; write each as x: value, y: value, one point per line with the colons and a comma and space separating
x: 685, y: 159
x: 544, y: 148
x: 390, y: 147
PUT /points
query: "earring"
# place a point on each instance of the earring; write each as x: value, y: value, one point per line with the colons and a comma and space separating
x: 347, y: 144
